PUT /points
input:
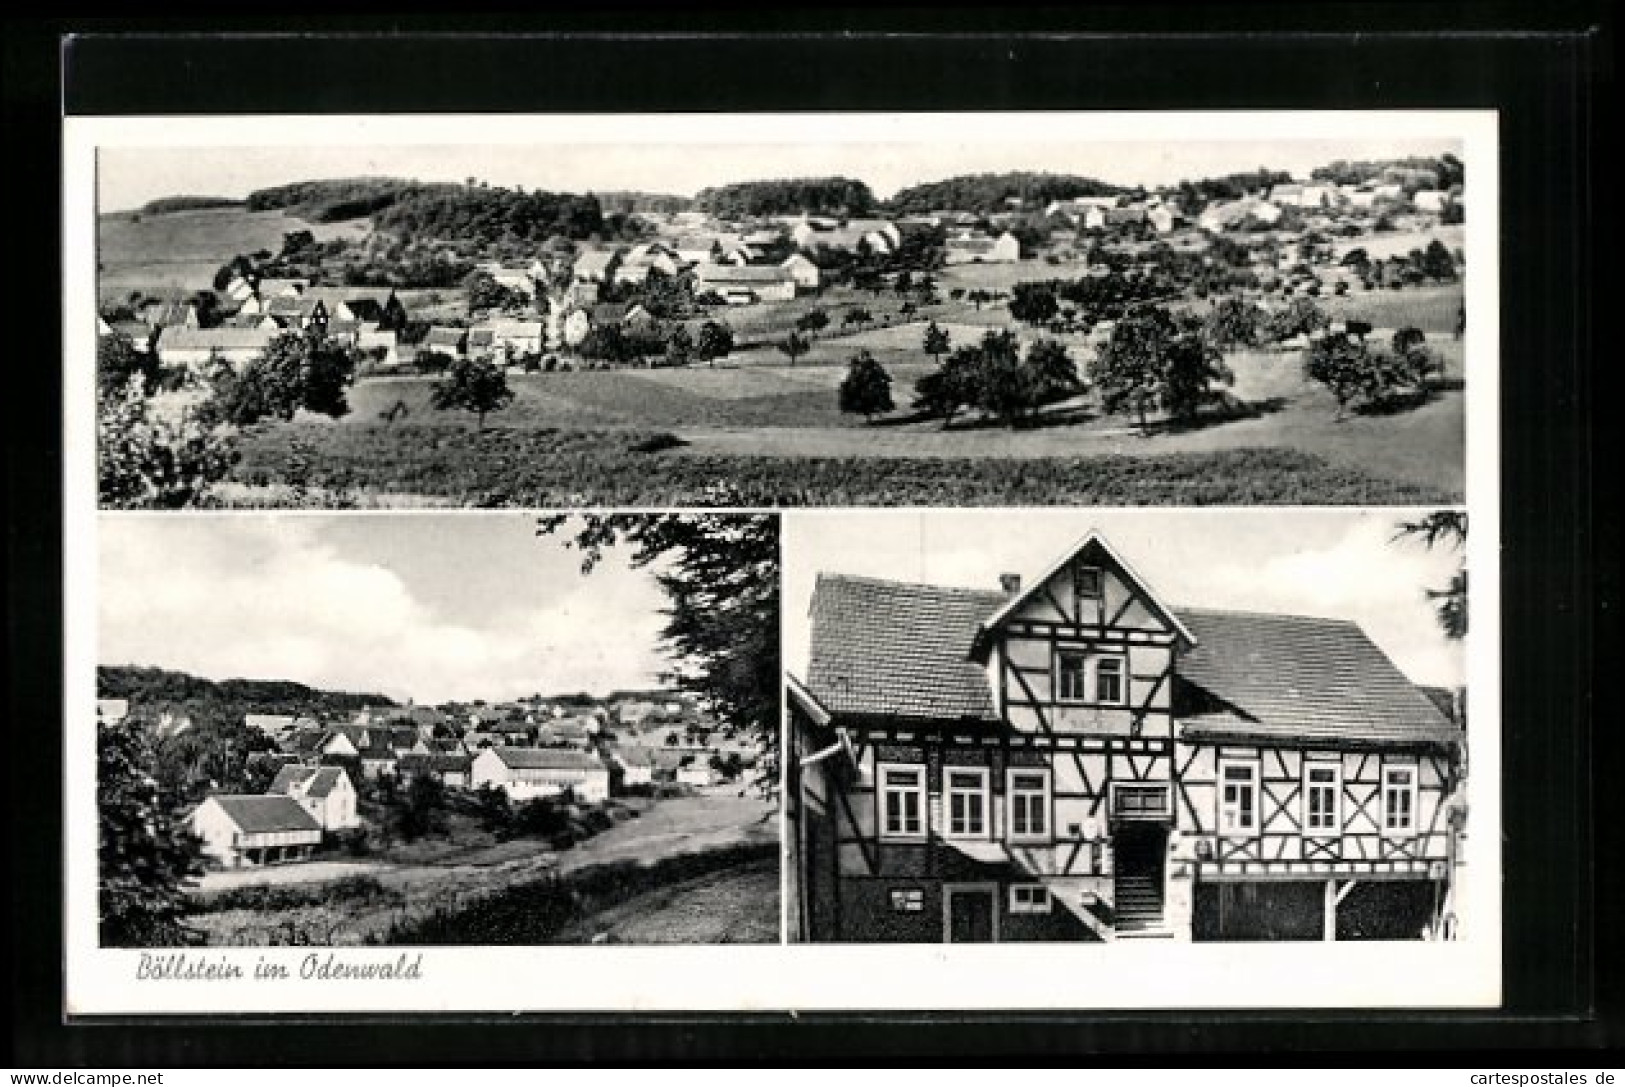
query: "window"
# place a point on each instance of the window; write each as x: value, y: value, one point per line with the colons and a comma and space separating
x: 1139, y: 801
x: 902, y: 801
x: 1029, y: 805
x: 1071, y: 667
x: 1238, y: 798
x: 1090, y: 678
x: 1087, y: 584
x: 1029, y: 898
x: 1322, y: 785
x: 908, y: 901
x: 1109, y: 680
x: 967, y: 802
x: 1398, y: 799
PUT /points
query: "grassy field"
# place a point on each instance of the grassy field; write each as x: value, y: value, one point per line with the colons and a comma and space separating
x: 357, y: 901
x: 379, y: 466
x: 1401, y: 242
x: 734, y: 906
x: 182, y: 250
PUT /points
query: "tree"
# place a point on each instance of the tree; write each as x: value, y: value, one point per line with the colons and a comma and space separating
x: 1450, y: 603
x: 856, y: 316
x: 473, y: 385
x: 813, y: 321
x: 117, y: 361
x: 1299, y: 317
x: 720, y: 573
x: 716, y: 341
x: 1359, y: 374
x: 146, y: 857
x: 494, y: 808
x: 937, y: 342
x: 951, y: 387
x: 794, y: 346
x: 160, y: 452
x: 1153, y: 359
x: 422, y: 810
x: 679, y: 347
x: 296, y: 371
x: 866, y: 390
x: 1234, y: 322
x: 1033, y: 303
x: 1437, y: 263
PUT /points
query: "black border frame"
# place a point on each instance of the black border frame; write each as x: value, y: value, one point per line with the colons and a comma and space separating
x: 1547, y: 71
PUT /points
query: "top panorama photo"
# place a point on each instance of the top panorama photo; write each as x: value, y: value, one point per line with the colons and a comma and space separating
x: 556, y: 324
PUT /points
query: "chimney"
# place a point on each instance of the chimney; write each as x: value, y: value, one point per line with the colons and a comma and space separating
x: 1010, y: 583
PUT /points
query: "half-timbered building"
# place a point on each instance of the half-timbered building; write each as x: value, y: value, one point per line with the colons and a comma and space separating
x: 1076, y: 759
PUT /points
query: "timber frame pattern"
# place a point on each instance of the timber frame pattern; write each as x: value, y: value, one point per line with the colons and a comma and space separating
x: 1114, y: 784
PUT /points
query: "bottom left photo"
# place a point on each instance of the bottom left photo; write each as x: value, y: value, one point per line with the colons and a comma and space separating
x: 428, y: 729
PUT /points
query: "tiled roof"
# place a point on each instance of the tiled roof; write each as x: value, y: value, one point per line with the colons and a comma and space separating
x: 266, y: 814
x: 536, y: 758
x: 179, y: 337
x: 1292, y: 677
x: 742, y: 273
x: 894, y: 649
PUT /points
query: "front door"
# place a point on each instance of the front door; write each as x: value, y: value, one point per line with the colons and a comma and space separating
x: 969, y: 915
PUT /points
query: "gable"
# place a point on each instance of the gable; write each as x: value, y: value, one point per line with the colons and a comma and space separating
x: 1125, y: 601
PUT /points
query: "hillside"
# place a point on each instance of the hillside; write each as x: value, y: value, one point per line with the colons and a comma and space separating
x: 162, y: 686
x: 815, y: 195
x: 989, y: 192
x: 180, y: 251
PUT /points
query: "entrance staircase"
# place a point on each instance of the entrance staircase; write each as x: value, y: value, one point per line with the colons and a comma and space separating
x: 1139, y: 908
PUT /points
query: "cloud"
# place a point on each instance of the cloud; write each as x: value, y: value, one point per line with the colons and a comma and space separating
x: 269, y: 598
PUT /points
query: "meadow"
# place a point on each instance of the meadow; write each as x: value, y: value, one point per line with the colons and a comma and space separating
x: 182, y: 250
x: 546, y: 467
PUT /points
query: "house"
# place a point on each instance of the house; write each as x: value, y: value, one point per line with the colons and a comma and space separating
x: 981, y: 249
x: 627, y: 315
x: 171, y: 313
x: 637, y: 765
x: 374, y: 308
x: 382, y: 347
x: 878, y: 235
x: 326, y: 792
x: 803, y: 271
x: 182, y: 346
x: 593, y: 266
x: 1235, y: 214
x: 446, y: 340
x: 1430, y: 200
x: 741, y: 285
x: 1162, y: 218
x: 241, y: 830
x: 1079, y: 760
x: 451, y: 769
x: 525, y: 772
x: 274, y: 725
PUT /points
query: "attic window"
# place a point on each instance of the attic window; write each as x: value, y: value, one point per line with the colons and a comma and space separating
x: 1088, y: 583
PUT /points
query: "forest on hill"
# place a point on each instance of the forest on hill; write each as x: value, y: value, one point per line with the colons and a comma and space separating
x: 160, y: 686
x: 630, y: 201
x: 165, y: 205
x: 814, y: 195
x: 989, y: 192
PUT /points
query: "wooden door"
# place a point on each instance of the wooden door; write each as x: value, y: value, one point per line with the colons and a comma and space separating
x: 970, y: 916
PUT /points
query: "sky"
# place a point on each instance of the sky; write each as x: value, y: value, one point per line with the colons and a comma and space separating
x: 1327, y: 563
x: 431, y: 608
x: 129, y: 177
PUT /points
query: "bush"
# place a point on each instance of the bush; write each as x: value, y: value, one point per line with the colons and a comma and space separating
x: 1367, y: 377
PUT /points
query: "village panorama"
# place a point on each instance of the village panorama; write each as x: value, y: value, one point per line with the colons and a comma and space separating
x: 1024, y: 337
x: 281, y: 812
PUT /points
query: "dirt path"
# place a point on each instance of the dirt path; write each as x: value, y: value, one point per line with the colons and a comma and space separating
x: 739, y: 906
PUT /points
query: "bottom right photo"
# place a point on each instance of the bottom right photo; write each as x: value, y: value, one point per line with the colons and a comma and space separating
x: 1115, y: 724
